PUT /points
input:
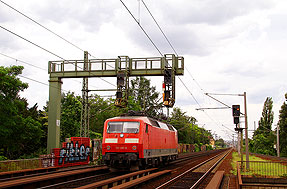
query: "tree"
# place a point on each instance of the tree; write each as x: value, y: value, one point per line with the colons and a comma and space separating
x: 71, y: 107
x: 283, y: 128
x: 100, y: 111
x: 220, y: 143
x: 265, y: 122
x: 182, y: 123
x: 20, y: 130
x: 188, y: 132
x: 263, y: 138
x: 145, y: 95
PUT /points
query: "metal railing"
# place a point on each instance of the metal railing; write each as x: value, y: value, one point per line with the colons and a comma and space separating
x: 16, y: 165
x: 263, y: 169
x: 115, y: 64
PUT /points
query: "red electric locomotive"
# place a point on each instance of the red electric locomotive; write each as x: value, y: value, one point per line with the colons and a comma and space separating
x: 131, y: 142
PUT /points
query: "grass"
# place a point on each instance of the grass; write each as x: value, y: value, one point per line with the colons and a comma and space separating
x: 259, y: 169
x: 236, y: 157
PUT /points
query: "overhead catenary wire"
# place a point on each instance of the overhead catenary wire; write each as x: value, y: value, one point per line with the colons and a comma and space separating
x: 27, y: 63
x: 17, y: 60
x: 186, y: 68
x: 41, y: 25
x: 44, y: 49
x: 31, y: 42
x: 162, y: 54
x: 33, y: 20
x: 154, y: 45
x: 159, y: 27
x: 168, y: 41
x: 190, y: 92
x: 165, y: 36
x: 40, y: 82
x: 142, y: 28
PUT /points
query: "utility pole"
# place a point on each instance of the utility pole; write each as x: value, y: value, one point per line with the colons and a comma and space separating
x: 233, y: 141
x: 238, y: 143
x: 241, y: 146
x: 278, y: 148
x: 246, y: 132
x: 84, y: 132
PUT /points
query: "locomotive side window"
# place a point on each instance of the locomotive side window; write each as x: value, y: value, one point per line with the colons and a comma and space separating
x: 123, y: 127
x: 146, y: 128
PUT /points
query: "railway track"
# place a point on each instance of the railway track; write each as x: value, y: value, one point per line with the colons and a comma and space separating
x: 25, y: 173
x: 39, y: 181
x: 98, y: 177
x: 194, y: 176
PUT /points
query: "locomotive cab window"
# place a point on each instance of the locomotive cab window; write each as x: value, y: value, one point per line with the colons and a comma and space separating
x: 123, y: 127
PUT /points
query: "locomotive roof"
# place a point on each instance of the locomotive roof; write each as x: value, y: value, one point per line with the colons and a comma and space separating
x: 149, y: 121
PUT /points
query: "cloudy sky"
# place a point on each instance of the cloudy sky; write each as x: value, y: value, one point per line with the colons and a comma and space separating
x: 229, y: 47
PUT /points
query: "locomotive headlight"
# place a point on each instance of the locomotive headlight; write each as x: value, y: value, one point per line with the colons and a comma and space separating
x: 134, y: 147
x: 121, y: 135
x: 108, y: 147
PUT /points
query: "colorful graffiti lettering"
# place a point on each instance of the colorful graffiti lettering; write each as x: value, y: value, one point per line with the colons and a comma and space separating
x: 73, y: 153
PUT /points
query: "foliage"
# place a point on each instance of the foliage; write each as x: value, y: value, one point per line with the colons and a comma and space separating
x: 266, y: 120
x: 20, y: 129
x: 283, y: 128
x: 3, y: 158
x: 209, y: 147
x: 94, y: 135
x: 196, y: 148
x: 188, y: 131
x: 70, y: 116
x: 263, y: 138
x: 261, y: 144
x: 220, y: 143
x: 145, y: 95
x: 100, y: 111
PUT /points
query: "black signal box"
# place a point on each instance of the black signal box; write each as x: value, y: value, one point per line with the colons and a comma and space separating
x: 120, y: 79
x: 235, y: 110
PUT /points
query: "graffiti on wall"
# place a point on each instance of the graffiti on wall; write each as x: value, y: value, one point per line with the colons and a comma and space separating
x: 74, y: 153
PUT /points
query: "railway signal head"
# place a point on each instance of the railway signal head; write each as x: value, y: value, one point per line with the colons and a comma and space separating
x: 121, y: 79
x: 236, y: 113
x: 236, y: 110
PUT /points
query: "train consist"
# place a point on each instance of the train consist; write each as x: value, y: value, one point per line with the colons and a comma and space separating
x: 133, y: 142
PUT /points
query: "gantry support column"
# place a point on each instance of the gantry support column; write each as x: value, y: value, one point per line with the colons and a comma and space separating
x: 54, y: 113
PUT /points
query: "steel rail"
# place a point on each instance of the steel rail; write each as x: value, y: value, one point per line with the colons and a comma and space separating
x: 191, y: 156
x: 71, y: 182
x: 25, y: 175
x: 45, y: 179
x: 183, y: 174
x: 199, y: 181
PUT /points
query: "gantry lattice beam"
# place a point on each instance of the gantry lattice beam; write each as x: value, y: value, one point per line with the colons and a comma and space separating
x: 154, y: 66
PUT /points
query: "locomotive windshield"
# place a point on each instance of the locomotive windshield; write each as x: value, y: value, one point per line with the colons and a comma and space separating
x: 123, y: 127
